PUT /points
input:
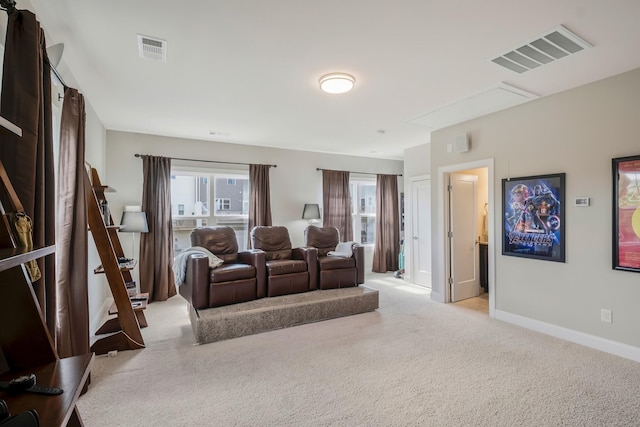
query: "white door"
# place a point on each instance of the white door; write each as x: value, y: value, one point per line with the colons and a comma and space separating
x: 421, y: 232
x: 463, y: 214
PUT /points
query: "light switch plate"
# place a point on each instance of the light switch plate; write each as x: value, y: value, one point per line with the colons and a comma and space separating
x: 582, y: 201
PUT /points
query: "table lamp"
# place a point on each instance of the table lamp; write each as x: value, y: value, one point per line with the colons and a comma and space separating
x: 133, y: 221
x: 311, y: 212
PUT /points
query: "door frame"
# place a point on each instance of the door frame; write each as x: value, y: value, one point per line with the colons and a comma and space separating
x: 409, y: 268
x: 440, y: 290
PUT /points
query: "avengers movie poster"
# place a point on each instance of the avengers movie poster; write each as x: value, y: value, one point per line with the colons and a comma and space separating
x: 533, y: 217
x: 626, y: 215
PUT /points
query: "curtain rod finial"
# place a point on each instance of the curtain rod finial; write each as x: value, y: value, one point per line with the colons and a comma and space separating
x: 8, y: 5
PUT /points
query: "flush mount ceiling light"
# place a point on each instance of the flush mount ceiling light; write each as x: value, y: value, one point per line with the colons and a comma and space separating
x: 337, y: 82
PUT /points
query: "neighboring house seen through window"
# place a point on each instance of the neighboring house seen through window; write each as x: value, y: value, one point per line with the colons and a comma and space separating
x: 363, y: 210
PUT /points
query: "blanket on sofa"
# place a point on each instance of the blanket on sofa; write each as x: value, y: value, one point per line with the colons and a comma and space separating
x: 180, y: 262
x: 343, y: 249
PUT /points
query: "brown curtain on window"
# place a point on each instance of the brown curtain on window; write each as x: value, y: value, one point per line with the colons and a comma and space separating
x: 387, y: 246
x: 259, y: 198
x: 72, y: 330
x: 156, y: 246
x: 26, y: 101
x: 336, y: 202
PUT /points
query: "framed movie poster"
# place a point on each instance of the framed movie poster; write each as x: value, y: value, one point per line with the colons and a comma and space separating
x: 626, y: 213
x: 533, y: 217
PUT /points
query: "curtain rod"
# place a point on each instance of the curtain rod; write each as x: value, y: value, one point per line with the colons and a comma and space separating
x: 207, y: 161
x: 364, y: 173
x: 9, y: 6
x: 59, y: 78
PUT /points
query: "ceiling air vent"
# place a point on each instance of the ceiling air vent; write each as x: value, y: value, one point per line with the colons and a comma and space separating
x: 555, y: 44
x: 152, y: 48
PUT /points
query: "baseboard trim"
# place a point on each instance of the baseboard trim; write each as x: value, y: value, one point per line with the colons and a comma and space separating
x: 592, y: 341
x: 436, y: 296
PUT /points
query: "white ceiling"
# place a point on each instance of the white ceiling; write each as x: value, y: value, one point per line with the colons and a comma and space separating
x: 249, y: 69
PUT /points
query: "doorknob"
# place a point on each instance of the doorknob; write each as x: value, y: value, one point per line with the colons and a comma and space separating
x: 415, y: 237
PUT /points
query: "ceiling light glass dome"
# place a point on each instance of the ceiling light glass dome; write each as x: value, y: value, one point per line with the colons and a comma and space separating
x: 337, y: 82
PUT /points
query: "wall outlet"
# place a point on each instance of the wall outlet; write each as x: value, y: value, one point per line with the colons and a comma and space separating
x: 606, y: 315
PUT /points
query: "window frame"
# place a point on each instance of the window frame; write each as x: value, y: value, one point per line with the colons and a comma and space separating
x: 239, y: 222
x: 356, y: 214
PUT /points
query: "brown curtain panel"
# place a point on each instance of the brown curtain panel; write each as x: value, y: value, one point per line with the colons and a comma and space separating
x: 387, y: 246
x: 259, y: 198
x: 26, y: 101
x: 336, y: 202
x: 156, y: 246
x: 72, y: 329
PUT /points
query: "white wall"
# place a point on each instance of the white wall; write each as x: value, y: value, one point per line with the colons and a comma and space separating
x: 417, y: 163
x: 99, y: 292
x: 294, y: 182
x: 577, y: 132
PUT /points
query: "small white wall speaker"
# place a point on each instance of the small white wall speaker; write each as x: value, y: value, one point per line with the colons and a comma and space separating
x: 462, y: 143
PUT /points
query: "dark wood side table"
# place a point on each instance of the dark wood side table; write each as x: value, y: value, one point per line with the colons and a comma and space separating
x: 484, y: 266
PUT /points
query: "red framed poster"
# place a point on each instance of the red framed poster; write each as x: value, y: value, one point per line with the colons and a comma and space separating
x: 626, y: 213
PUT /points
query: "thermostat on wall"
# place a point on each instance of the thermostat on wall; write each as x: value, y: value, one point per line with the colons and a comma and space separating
x: 582, y: 201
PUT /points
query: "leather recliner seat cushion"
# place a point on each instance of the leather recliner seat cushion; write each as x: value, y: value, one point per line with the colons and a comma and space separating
x: 334, y: 262
x: 231, y: 272
x: 289, y: 266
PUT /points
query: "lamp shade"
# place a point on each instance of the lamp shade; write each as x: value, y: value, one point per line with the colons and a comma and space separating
x: 311, y: 211
x: 134, y: 222
x: 55, y: 54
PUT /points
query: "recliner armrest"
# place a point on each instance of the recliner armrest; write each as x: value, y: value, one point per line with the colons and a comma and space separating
x: 258, y: 259
x: 195, y: 288
x: 358, y: 254
x: 309, y: 255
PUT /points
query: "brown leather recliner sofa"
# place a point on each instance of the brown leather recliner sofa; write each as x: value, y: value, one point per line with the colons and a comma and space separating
x: 240, y: 278
x: 288, y: 270
x: 335, y: 271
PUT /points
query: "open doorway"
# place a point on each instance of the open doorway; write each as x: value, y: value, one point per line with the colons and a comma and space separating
x: 474, y: 247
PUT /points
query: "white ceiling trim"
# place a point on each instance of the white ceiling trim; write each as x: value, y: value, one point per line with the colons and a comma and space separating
x: 489, y: 101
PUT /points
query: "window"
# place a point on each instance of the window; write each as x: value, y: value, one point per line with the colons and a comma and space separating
x: 191, y: 193
x: 363, y: 210
x: 223, y: 204
x: 232, y: 195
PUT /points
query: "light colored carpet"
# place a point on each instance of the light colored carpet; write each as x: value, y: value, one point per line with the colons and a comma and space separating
x: 412, y: 362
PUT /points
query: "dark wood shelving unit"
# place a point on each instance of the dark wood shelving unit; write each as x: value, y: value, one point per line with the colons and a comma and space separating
x: 123, y: 331
x: 26, y: 346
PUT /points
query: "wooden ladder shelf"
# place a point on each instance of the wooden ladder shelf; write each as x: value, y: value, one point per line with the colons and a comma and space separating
x: 123, y: 331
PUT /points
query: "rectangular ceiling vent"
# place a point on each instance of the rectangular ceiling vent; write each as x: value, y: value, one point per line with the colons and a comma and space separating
x: 555, y: 44
x: 152, y: 48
